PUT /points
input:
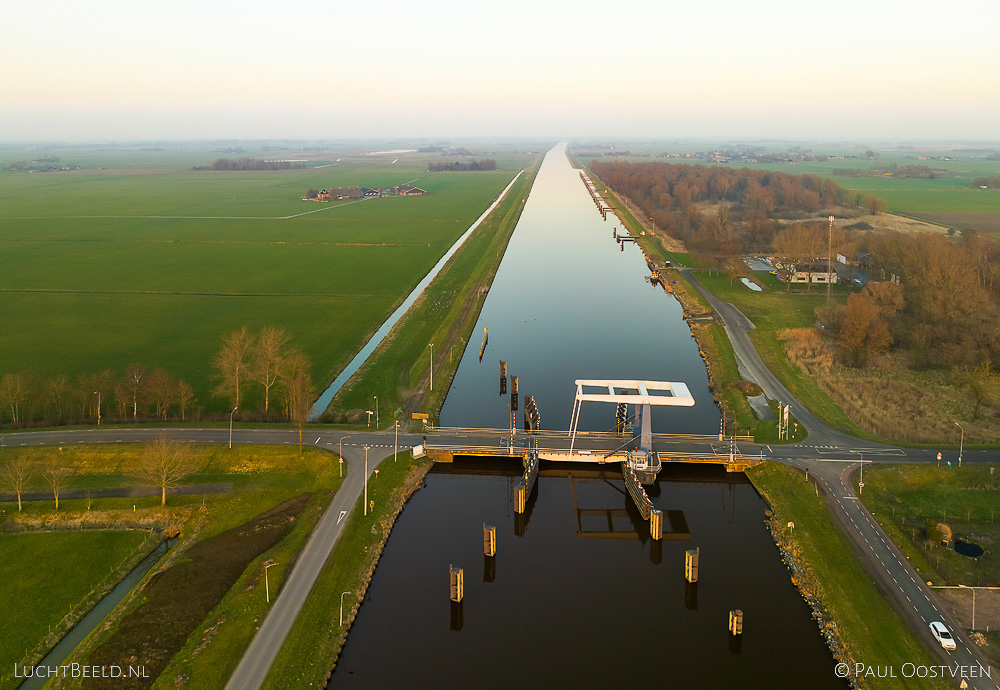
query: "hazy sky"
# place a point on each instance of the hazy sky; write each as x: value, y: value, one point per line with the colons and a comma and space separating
x: 385, y: 68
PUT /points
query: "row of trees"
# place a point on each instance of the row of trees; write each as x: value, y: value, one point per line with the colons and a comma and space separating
x: 914, y: 172
x: 162, y: 463
x: 484, y: 164
x: 248, y: 164
x: 261, y: 363
x: 747, y: 202
x: 138, y: 393
x: 988, y: 182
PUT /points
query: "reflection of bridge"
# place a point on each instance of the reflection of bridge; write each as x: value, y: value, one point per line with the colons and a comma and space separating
x: 638, y: 453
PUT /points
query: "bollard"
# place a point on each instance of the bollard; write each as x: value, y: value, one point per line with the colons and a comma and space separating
x: 520, y: 498
x: 691, y: 564
x: 457, y: 582
x: 489, y: 540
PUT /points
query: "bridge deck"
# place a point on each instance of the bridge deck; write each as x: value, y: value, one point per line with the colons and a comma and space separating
x: 737, y: 462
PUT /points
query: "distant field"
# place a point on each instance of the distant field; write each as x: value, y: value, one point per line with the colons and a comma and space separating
x: 149, y: 262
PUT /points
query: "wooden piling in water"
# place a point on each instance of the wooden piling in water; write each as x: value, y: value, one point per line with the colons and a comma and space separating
x: 691, y: 564
x: 489, y: 540
x: 736, y: 622
x: 457, y: 581
x: 482, y: 348
x: 656, y: 524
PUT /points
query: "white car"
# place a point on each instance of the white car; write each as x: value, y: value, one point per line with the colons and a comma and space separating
x: 942, y: 635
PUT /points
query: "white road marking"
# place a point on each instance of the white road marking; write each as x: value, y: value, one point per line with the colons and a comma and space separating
x: 342, y: 514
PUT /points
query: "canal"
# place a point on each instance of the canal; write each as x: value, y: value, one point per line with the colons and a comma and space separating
x: 578, y: 595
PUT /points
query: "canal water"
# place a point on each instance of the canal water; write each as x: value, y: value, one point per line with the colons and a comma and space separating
x: 578, y: 595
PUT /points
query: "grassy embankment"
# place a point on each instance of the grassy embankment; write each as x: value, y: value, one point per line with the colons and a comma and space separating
x: 397, y: 372
x: 714, y: 344
x: 104, y: 268
x: 827, y: 572
x: 52, y: 579
x: 316, y: 638
x: 261, y: 478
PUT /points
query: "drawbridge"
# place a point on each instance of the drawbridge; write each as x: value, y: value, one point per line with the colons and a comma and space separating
x: 641, y: 453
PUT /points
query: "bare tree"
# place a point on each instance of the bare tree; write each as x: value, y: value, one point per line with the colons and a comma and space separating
x: 232, y: 363
x: 16, y: 475
x: 297, y: 385
x: 57, y: 478
x: 185, y: 397
x: 134, y: 387
x: 15, y: 393
x: 162, y: 387
x: 268, y: 351
x: 164, y: 463
x: 57, y: 392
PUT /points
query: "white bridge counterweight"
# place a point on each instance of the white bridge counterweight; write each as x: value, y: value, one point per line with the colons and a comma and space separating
x: 642, y: 394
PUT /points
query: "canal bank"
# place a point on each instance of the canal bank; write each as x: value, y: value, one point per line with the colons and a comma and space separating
x: 574, y: 579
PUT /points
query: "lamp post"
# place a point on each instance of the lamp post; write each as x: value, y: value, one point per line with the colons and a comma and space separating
x: 432, y: 366
x: 829, y: 262
x: 366, y: 480
x: 342, y: 607
x: 267, y: 587
x: 342, y: 454
x: 961, y: 443
x: 231, y: 426
x: 98, y: 394
x: 376, y: 410
x: 973, y: 604
x: 395, y: 443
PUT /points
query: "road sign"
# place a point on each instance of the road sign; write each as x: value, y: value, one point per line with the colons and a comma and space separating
x: 861, y: 485
x: 939, y: 456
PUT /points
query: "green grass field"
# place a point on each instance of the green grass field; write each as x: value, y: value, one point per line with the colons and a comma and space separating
x: 47, y: 574
x: 910, y: 502
x: 102, y: 268
x: 261, y: 477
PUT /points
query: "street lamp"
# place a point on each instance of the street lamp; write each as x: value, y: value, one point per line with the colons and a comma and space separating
x: 376, y: 410
x: 395, y: 443
x: 342, y: 607
x: 829, y: 262
x: 342, y: 454
x: 961, y: 443
x: 267, y: 587
x: 231, y: 426
x: 973, y: 604
x: 432, y: 366
x: 366, y: 480
x: 98, y: 394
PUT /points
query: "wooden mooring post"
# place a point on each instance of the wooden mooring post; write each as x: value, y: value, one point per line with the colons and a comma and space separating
x: 457, y: 582
x: 691, y: 564
x: 489, y: 540
x: 482, y: 348
x: 656, y: 524
x: 736, y: 622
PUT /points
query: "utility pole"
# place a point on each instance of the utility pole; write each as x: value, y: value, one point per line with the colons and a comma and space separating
x: 829, y: 262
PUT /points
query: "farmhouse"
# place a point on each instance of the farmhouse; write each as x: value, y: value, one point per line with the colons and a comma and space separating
x: 812, y: 272
x: 408, y: 190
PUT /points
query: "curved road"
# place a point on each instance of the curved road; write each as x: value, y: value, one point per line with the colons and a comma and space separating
x: 892, y: 573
